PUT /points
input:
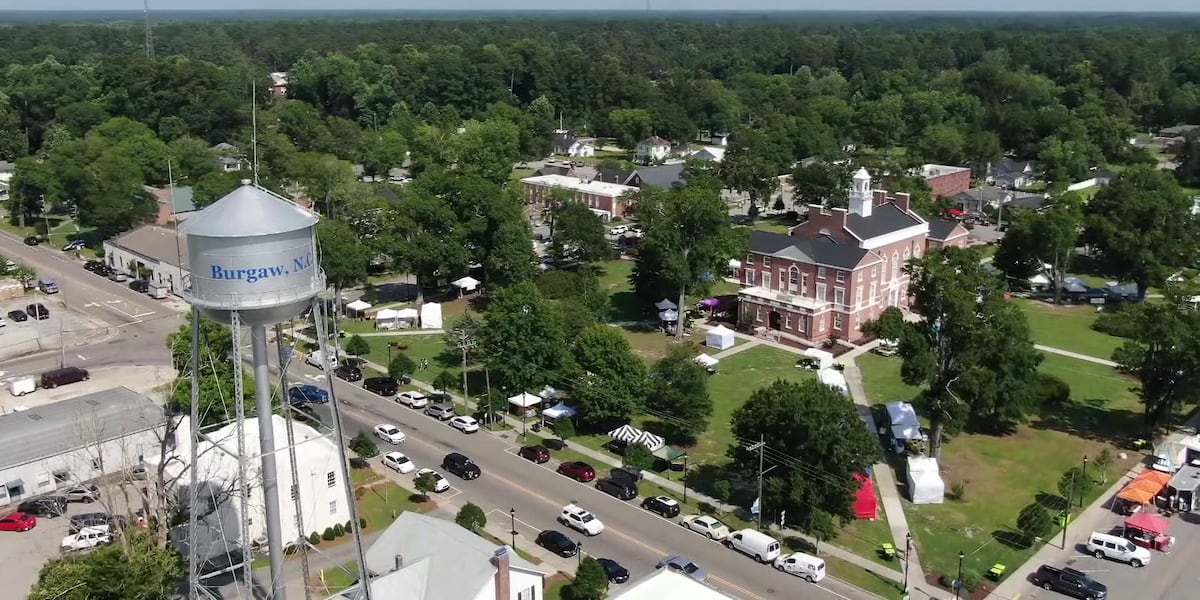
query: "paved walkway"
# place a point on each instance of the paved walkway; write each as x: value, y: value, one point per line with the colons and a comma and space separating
x: 1076, y: 355
x: 738, y: 348
x: 394, y: 332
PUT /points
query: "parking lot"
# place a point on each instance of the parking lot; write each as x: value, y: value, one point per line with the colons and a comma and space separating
x: 37, y: 335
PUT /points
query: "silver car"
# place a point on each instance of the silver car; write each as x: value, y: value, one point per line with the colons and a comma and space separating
x: 82, y: 493
x: 441, y: 412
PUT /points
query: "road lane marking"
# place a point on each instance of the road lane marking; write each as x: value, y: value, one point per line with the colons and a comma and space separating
x: 81, y: 357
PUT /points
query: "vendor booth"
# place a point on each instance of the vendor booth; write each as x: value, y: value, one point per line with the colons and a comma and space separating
x: 719, y: 337
x: 709, y: 363
x: 525, y: 403
x: 558, y: 411
x: 866, y: 503
x: 465, y: 285
x: 1140, y: 491
x: 1148, y: 530
x: 815, y: 359
x: 431, y: 315
x: 1183, y: 489
x: 925, y: 485
x: 356, y: 308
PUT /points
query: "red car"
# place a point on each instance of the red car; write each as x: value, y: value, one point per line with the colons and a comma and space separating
x: 18, y: 522
x: 538, y: 454
x: 578, y: 470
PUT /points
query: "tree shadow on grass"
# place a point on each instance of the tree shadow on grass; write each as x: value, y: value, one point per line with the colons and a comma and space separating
x: 1051, y: 502
x: 627, y: 307
x: 1012, y: 538
x: 1091, y: 419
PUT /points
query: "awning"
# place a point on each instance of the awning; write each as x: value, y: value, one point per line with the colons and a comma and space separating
x: 651, y: 441
x: 16, y: 483
x: 626, y: 433
x: 559, y: 411
x: 665, y: 304
x: 524, y: 400
x: 1144, y: 487
x: 1148, y: 522
x: 385, y: 314
x: 407, y: 313
x: 358, y: 305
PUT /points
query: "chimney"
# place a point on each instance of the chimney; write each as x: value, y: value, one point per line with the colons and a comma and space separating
x: 399, y: 562
x: 503, y: 588
x: 902, y: 201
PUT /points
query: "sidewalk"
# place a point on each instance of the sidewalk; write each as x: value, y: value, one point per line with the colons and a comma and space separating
x: 1075, y: 355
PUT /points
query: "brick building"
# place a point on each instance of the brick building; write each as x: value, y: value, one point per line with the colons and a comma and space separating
x: 945, y: 181
x: 608, y: 200
x: 839, y: 269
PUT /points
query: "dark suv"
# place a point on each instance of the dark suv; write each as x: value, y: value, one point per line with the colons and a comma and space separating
x: 460, y: 465
x: 46, y: 506
x: 664, y: 506
x: 1071, y: 582
x: 347, y: 372
x: 618, y: 488
x: 384, y: 386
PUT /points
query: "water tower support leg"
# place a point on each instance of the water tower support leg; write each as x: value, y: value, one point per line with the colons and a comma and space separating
x: 270, y: 479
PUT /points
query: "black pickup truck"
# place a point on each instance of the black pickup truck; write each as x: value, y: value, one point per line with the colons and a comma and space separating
x: 1076, y: 584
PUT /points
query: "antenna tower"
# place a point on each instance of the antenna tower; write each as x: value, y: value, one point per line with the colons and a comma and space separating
x: 149, y: 39
x: 254, y: 128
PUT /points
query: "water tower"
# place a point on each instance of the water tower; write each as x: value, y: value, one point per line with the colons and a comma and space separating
x: 252, y: 257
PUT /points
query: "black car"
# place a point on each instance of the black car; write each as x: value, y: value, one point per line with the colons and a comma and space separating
x: 460, y: 465
x: 348, y: 373
x: 103, y: 270
x: 139, y: 285
x: 384, y: 386
x: 664, y: 506
x: 626, y: 473
x: 93, y: 265
x: 38, y: 310
x: 558, y: 543
x: 617, y: 447
x: 46, y: 506
x: 32, y: 240
x: 18, y: 316
x: 618, y: 488
x: 613, y: 569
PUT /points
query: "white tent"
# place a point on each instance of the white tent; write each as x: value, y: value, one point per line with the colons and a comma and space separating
x: 904, y: 422
x: 719, y: 337
x: 735, y: 263
x: 706, y: 360
x: 525, y: 400
x: 834, y: 379
x: 626, y: 433
x: 466, y: 284
x: 431, y: 315
x: 824, y: 359
x: 358, y: 306
x: 668, y: 315
x: 665, y: 304
x: 558, y: 411
x: 407, y: 314
x: 386, y: 319
x: 651, y: 441
x: 925, y: 484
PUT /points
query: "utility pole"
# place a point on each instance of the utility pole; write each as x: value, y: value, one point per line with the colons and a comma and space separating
x: 487, y: 382
x: 761, y: 447
x: 465, y: 343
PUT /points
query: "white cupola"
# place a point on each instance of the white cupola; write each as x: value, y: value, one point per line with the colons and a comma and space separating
x: 861, y: 201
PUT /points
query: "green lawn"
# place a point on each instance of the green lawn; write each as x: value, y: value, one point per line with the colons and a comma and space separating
x: 1068, y: 328
x: 858, y: 576
x: 881, y: 379
x: 381, y: 503
x: 554, y: 586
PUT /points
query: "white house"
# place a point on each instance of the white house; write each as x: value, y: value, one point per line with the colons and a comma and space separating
x: 565, y: 142
x: 419, y: 557
x: 228, y: 157
x: 665, y: 584
x: 75, y: 440
x: 651, y: 150
x: 322, y: 491
x: 161, y: 249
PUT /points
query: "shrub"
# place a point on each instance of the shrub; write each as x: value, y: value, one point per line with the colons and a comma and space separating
x: 971, y: 580
x: 1049, y: 391
x: 328, y: 535
x: 348, y: 527
x: 362, y: 523
x: 1034, y: 522
x: 363, y: 446
x: 338, y: 531
x: 1115, y: 323
x: 290, y: 549
x: 314, y: 538
x: 564, y: 428
x: 471, y: 517
x: 958, y: 490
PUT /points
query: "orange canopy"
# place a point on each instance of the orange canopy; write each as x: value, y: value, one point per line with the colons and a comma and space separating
x: 1144, y: 487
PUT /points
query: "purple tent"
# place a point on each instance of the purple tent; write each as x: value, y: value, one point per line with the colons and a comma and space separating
x: 709, y: 303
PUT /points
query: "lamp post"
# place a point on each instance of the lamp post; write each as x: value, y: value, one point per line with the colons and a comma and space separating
x: 907, y: 549
x: 683, y: 478
x: 958, y: 582
x: 1085, y: 461
x: 578, y: 553
x: 512, y: 515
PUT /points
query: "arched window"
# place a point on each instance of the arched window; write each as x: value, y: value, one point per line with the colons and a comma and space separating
x: 793, y: 278
x: 895, y: 265
x: 906, y: 255
x: 885, y: 267
x: 917, y: 251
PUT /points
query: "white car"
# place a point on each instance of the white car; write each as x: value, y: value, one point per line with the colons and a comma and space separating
x: 441, y: 485
x: 398, y: 462
x: 86, y: 539
x: 465, y: 424
x: 389, y: 433
x: 618, y: 230
x: 3, y: 323
x: 706, y: 526
x: 580, y: 519
x: 413, y: 399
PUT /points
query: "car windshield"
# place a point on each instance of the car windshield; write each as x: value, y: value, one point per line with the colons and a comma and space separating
x: 689, y: 568
x: 402, y: 459
x: 586, y: 517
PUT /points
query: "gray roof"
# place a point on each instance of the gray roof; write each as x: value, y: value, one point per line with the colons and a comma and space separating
x: 181, y: 197
x: 663, y: 176
x: 160, y: 244
x: 249, y: 211
x: 1178, y: 130
x: 821, y: 250
x: 554, y: 170
x: 52, y: 429
x: 454, y: 562
x: 941, y: 229
x: 1010, y: 167
x: 561, y: 142
x: 619, y: 176
x: 884, y: 219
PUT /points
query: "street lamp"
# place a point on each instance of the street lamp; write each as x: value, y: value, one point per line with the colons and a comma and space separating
x: 578, y: 553
x: 907, y: 549
x: 512, y: 515
x: 1085, y: 461
x: 958, y: 582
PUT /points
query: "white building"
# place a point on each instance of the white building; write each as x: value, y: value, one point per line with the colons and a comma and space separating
x: 160, y: 249
x: 651, y: 150
x: 322, y: 492
x: 70, y: 441
x: 606, y: 200
x: 665, y: 584
x: 420, y: 557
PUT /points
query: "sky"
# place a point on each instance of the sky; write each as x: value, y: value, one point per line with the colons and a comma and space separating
x: 1140, y: 6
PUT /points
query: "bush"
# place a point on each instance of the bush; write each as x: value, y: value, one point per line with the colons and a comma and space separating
x: 1034, y: 522
x: 564, y: 428
x: 1115, y: 323
x: 362, y: 523
x: 363, y: 445
x: 348, y: 527
x: 971, y: 580
x: 358, y: 346
x: 639, y: 457
x: 290, y: 549
x: 401, y: 365
x: 329, y: 535
x: 338, y: 531
x: 958, y: 490
x: 1049, y: 391
x: 471, y: 517
x: 314, y: 538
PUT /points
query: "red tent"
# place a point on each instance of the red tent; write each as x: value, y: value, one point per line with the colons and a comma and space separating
x: 866, y: 504
x: 1149, y: 522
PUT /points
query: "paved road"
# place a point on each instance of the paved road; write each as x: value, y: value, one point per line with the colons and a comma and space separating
x: 633, y: 537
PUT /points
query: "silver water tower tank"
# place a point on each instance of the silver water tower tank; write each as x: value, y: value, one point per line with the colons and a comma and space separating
x: 255, y: 253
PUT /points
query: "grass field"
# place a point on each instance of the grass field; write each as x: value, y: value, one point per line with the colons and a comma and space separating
x: 1068, y: 328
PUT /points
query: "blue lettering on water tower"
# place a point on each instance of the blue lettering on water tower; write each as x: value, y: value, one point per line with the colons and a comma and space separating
x: 253, y: 275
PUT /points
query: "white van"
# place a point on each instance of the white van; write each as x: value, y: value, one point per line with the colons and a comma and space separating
x: 1115, y: 547
x: 22, y: 385
x: 317, y: 359
x: 811, y: 568
x: 756, y: 544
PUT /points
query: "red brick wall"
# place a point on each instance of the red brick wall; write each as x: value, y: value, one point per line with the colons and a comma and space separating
x: 950, y: 184
x: 833, y: 220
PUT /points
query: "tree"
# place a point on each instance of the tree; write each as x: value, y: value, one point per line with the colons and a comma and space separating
x: 191, y: 160
x: 382, y: 152
x: 972, y: 351
x: 323, y: 176
x: 522, y: 338
x: 687, y: 240
x: 344, y: 257
x: 1048, y: 236
x: 1142, y: 226
x: 747, y: 169
x: 679, y: 392
x: 630, y: 126
x: 602, y: 358
x: 425, y: 483
x: 471, y: 517
x: 590, y: 583
x: 358, y: 346
x: 14, y: 143
x: 428, y: 240
x: 33, y: 181
x: 445, y: 380
x: 564, y: 428
x: 401, y: 366
x: 364, y: 445
x: 214, y: 186
x: 1074, y: 485
x: 941, y: 144
x: 580, y: 236
x: 1034, y: 522
x: 638, y: 456
x: 1164, y: 356
x: 138, y: 569
x: 824, y: 182
x: 813, y: 423
x: 1103, y: 461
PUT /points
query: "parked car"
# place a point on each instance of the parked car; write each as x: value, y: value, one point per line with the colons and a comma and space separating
x: 64, y: 376
x: 613, y: 570
x: 307, y: 394
x: 389, y: 433
x: 46, y: 506
x: 579, y: 519
x: 627, y: 473
x: 98, y: 520
x: 462, y: 466
x: 1070, y: 582
x: 140, y: 286
x: 413, y: 399
x: 18, y: 316
x: 706, y: 526
x: 578, y: 470
x: 117, y: 276
x: 103, y: 270
x: 1115, y: 547
x: 85, y: 539
x: 810, y: 568
x: 18, y: 521
x: 398, y: 462
x: 683, y: 564
x: 32, y: 240
x: 440, y: 483
x: 82, y: 493
x: 617, y: 447
x: 538, y: 454
x: 384, y: 386
x: 74, y: 245
x: 465, y: 424
x: 38, y: 311
x: 3, y: 323
x: 348, y: 373
x: 617, y: 488
x: 93, y: 265
x: 441, y: 412
x: 887, y: 347
x: 664, y: 506
x: 558, y: 543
